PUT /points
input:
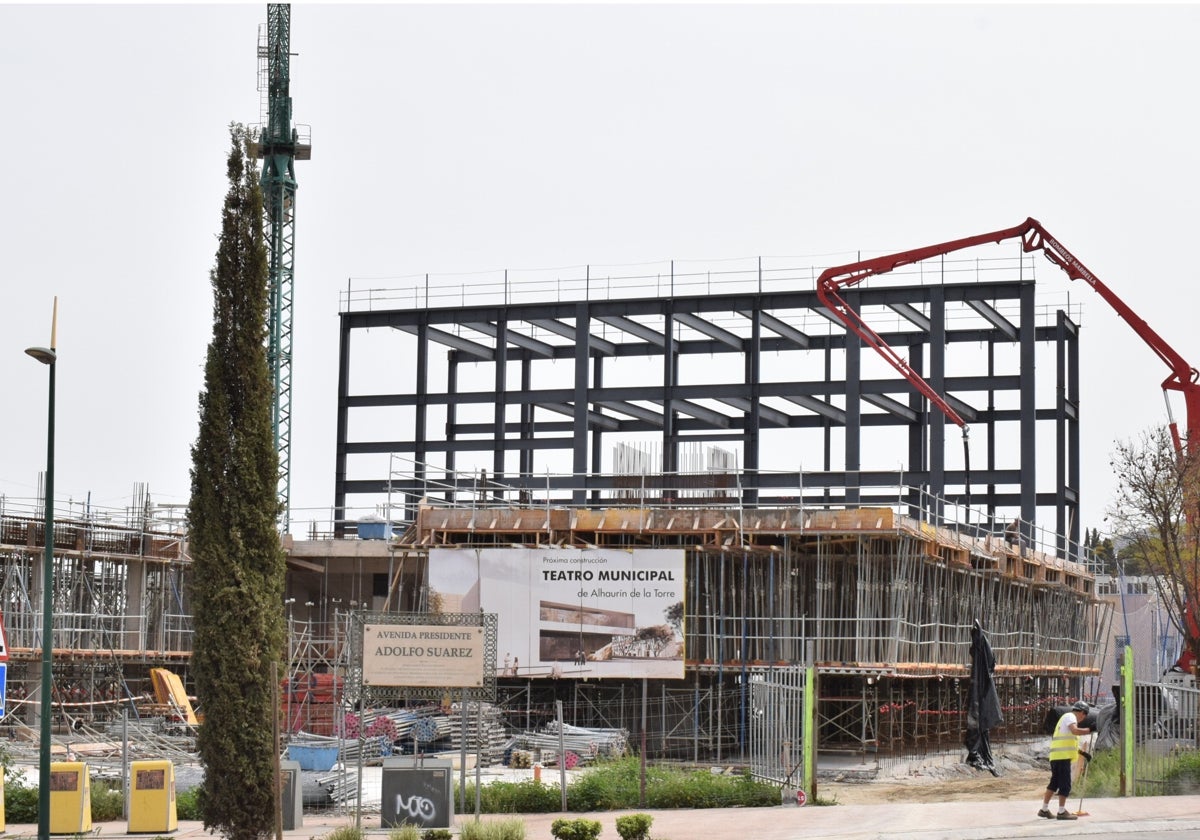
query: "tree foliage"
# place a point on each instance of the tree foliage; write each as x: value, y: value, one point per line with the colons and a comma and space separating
x: 674, y: 616
x: 1104, y: 550
x: 1157, y: 508
x: 237, y: 579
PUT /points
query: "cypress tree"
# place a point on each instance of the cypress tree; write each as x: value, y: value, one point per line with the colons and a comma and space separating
x: 237, y: 579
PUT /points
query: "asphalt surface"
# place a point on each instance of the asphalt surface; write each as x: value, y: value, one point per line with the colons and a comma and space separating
x: 1175, y: 817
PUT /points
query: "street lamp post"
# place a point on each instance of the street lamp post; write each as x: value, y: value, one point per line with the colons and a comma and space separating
x: 47, y: 356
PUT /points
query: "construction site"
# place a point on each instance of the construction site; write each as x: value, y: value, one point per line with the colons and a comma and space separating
x: 873, y: 576
x: 789, y: 431
x: 881, y: 601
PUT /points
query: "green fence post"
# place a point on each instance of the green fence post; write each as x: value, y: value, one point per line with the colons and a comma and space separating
x: 1128, y: 710
x: 810, y: 733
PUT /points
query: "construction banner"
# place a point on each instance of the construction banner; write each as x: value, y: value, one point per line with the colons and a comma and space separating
x: 572, y: 613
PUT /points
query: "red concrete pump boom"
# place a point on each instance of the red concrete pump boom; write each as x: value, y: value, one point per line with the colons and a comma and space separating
x: 1033, y: 237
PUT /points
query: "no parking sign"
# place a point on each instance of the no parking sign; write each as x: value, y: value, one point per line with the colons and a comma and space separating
x: 793, y: 796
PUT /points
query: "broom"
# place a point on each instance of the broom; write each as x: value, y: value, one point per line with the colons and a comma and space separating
x: 1087, y: 760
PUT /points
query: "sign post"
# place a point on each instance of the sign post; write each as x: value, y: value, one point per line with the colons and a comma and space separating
x: 425, y: 655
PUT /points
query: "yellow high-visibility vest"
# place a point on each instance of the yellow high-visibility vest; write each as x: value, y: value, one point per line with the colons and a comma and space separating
x: 1064, y: 744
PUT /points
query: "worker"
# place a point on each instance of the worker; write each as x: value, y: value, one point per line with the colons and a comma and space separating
x: 1012, y: 534
x: 1064, y: 749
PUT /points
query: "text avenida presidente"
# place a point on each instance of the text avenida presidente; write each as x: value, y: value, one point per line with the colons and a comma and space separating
x: 408, y: 648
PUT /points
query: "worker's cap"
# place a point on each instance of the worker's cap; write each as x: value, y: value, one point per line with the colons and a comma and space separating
x: 1080, y: 706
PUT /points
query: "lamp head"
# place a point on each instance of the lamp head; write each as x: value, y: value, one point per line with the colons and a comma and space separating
x: 45, y: 355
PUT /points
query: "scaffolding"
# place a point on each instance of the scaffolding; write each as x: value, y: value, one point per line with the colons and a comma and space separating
x: 879, y: 600
x: 119, y: 605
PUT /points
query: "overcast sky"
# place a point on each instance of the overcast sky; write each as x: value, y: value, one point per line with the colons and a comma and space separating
x: 460, y: 138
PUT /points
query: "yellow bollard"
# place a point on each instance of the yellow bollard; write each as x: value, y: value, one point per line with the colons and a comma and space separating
x: 70, y: 798
x: 152, y: 797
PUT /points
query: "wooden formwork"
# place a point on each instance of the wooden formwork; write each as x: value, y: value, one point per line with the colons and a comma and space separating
x: 720, y: 528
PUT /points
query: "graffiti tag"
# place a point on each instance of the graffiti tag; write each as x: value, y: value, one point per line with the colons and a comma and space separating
x: 417, y: 807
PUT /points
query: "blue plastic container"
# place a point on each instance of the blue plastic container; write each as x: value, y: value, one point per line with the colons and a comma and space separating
x: 313, y: 758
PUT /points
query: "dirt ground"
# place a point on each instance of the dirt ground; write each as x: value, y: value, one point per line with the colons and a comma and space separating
x: 981, y: 787
x: 1023, y: 775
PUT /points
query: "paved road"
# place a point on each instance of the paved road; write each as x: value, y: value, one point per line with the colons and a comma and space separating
x: 1173, y: 817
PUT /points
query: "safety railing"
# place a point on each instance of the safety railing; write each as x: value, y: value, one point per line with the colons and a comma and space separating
x: 413, y: 484
x: 672, y: 278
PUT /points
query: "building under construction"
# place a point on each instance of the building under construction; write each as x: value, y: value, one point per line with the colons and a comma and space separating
x: 724, y: 410
x: 880, y: 599
x: 723, y: 414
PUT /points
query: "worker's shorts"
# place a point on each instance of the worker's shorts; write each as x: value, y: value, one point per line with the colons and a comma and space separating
x: 1060, y: 777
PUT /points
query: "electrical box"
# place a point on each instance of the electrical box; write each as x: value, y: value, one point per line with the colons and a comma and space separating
x: 70, y: 798
x: 292, y: 799
x: 152, y: 797
x: 417, y: 791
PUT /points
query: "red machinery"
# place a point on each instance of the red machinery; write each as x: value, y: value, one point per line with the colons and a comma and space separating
x: 1033, y: 237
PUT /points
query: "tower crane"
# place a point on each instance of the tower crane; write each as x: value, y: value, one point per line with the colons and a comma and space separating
x: 280, y: 145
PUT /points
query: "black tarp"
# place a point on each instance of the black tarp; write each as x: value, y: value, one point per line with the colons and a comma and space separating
x: 983, y: 703
x: 1104, y: 721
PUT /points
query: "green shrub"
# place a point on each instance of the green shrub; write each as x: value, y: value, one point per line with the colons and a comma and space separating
x: 14, y: 776
x: 437, y: 834
x: 616, y: 785
x: 527, y: 797
x: 634, y: 826
x: 405, y: 832
x: 1103, y: 778
x: 345, y: 832
x: 608, y: 787
x: 20, y: 804
x: 108, y: 803
x: 512, y: 829
x: 578, y: 829
x: 1183, y: 776
x: 187, y: 804
x: 1103, y: 774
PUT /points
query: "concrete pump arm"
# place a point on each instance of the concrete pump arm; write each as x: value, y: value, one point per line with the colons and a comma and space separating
x: 1033, y: 237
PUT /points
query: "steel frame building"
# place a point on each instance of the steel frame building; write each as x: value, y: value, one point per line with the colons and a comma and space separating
x: 743, y: 363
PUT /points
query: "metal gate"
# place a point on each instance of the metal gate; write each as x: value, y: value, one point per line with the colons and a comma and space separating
x: 1164, y: 716
x: 776, y: 725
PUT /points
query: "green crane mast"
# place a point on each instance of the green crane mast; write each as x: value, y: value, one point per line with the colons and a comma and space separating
x: 280, y: 146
